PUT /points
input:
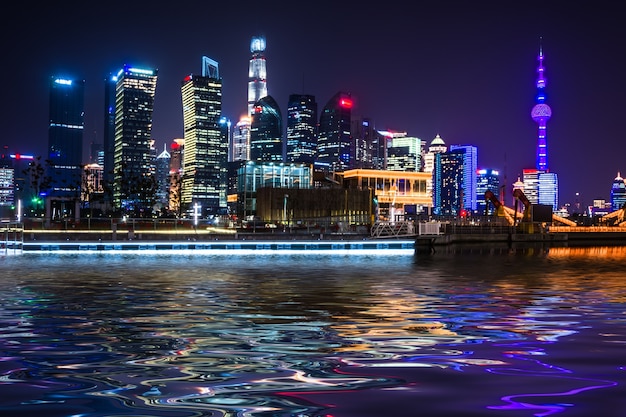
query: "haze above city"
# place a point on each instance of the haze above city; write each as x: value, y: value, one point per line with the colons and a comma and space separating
x: 463, y: 70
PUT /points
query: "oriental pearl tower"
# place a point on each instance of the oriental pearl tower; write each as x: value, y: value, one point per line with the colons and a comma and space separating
x: 541, y: 113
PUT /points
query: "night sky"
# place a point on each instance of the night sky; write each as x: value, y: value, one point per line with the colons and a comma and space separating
x: 463, y: 69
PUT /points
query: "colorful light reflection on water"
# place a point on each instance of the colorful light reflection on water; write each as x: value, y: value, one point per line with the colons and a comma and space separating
x: 460, y: 332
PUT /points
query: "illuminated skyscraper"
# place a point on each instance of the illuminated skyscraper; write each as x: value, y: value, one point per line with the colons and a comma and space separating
x: 257, y: 73
x: 334, y: 142
x: 163, y: 177
x: 437, y: 145
x: 618, y: 193
x: 470, y: 165
x: 486, y: 179
x: 448, y: 182
x: 369, y: 146
x: 65, y: 137
x: 404, y: 153
x: 132, y: 166
x: 240, y: 145
x: 266, y: 131
x: 206, y: 141
x: 301, y: 128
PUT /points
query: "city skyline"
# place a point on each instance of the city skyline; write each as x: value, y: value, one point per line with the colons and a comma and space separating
x: 465, y: 72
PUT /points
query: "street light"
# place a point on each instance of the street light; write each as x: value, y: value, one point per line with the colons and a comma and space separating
x: 196, y: 213
x: 285, y: 208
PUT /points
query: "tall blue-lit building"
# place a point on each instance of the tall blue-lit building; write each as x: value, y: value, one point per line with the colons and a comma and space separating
x: 618, y: 193
x: 133, y: 180
x: 449, y: 182
x: 486, y: 180
x: 266, y: 131
x: 334, y: 142
x: 206, y: 142
x: 65, y: 137
x: 301, y: 129
x: 470, y: 165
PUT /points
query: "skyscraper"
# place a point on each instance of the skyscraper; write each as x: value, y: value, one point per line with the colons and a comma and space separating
x: 618, y: 193
x: 404, y: 153
x: 334, y: 143
x: 437, y: 145
x: 449, y: 182
x: 301, y: 128
x: 266, y: 131
x: 163, y: 177
x: 257, y: 72
x: 206, y: 143
x: 65, y: 137
x: 370, y: 149
x: 470, y: 165
x: 486, y: 180
x: 133, y: 182
x: 240, y: 145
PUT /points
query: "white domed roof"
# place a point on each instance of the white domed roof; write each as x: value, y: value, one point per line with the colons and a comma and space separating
x: 437, y: 140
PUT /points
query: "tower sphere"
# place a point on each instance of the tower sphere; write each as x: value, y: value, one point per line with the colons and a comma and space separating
x: 541, y: 112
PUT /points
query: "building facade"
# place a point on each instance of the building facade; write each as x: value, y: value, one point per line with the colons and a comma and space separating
x: 266, y: 131
x: 206, y: 142
x: 301, y: 129
x: 334, y: 142
x: 257, y: 72
x: 487, y: 179
x: 240, y: 140
x: 133, y: 182
x: 404, y: 153
x: 449, y: 183
x: 65, y: 137
x: 470, y: 166
x: 618, y: 193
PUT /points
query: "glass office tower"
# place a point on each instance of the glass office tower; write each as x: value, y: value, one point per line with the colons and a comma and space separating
x: 133, y: 182
x: 334, y: 142
x: 266, y: 143
x: 65, y: 137
x: 206, y: 142
x: 301, y: 128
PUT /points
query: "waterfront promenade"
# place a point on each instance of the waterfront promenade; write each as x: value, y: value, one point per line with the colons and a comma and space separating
x: 211, y: 238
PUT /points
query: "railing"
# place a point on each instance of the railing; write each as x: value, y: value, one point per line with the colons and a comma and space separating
x: 12, y: 241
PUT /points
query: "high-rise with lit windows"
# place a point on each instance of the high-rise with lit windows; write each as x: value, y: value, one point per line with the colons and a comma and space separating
x: 266, y: 131
x: 470, y: 165
x: 206, y: 142
x: 133, y: 182
x: 301, y: 128
x: 257, y: 72
x: 65, y: 137
x: 334, y: 142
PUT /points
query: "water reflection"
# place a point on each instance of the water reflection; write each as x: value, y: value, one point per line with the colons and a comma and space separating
x: 466, y: 331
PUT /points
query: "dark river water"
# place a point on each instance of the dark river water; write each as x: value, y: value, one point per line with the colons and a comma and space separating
x: 461, y: 332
